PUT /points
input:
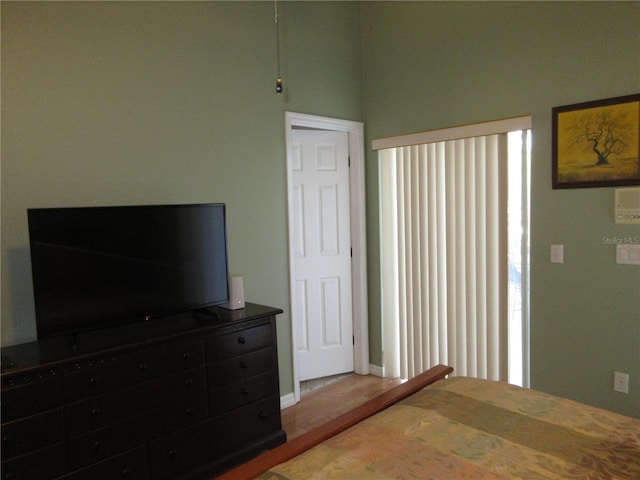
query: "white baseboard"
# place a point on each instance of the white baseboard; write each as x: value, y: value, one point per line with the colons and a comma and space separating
x: 377, y: 371
x: 288, y: 400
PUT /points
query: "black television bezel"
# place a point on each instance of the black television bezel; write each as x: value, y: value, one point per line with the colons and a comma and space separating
x: 50, y: 333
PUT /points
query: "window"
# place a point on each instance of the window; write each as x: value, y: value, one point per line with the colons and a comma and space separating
x: 453, y: 259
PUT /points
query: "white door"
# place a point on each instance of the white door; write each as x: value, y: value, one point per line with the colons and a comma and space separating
x: 322, y: 253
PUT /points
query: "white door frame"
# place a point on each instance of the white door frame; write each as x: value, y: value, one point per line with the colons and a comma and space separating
x: 358, y: 234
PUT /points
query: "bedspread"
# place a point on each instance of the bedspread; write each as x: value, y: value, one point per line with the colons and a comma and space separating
x: 464, y: 428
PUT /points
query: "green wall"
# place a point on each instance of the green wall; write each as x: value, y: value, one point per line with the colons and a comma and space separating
x: 430, y: 65
x: 111, y: 103
x: 115, y: 103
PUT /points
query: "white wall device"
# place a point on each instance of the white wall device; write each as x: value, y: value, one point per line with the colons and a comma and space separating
x: 628, y: 205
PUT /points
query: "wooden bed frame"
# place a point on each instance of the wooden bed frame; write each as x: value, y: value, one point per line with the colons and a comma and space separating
x: 302, y: 443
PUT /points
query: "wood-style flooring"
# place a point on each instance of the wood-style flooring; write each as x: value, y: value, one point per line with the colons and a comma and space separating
x: 322, y: 404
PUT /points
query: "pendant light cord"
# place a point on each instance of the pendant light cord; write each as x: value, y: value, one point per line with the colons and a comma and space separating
x: 279, y: 78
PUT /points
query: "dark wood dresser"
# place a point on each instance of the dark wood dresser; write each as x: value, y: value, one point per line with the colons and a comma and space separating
x: 181, y: 397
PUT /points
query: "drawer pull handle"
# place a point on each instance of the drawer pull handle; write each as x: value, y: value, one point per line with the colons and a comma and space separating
x: 93, y: 380
x: 186, y: 355
x: 244, y: 391
x: 97, y: 445
x: 189, y: 411
x: 243, y: 365
x: 95, y: 411
x: 242, y: 340
x: 6, y: 439
x: 142, y: 367
x: 188, y: 382
x: 263, y: 415
x: 124, y: 473
x: 172, y: 452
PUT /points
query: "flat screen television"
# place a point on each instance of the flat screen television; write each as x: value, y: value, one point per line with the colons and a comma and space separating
x: 97, y: 267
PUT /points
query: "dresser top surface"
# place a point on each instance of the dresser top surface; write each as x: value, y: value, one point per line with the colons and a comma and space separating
x: 68, y: 348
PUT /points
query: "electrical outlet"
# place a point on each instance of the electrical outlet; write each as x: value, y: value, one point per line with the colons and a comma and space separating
x: 621, y: 382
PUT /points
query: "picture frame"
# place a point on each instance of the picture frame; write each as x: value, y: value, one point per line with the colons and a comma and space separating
x: 596, y: 144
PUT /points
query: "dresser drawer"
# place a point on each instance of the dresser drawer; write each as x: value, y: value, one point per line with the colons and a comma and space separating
x: 177, y: 385
x: 243, y: 393
x: 86, y: 382
x: 104, y: 442
x: 102, y: 410
x: 130, y: 465
x: 156, y: 362
x: 237, y: 343
x: 131, y: 369
x: 238, y: 368
x: 180, y: 414
x: 32, y: 433
x: 31, y: 398
x: 101, y: 443
x: 249, y: 423
x: 184, y: 449
x: 43, y: 464
x: 222, y: 435
x: 184, y: 356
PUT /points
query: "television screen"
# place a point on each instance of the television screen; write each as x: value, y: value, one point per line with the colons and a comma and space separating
x: 101, y: 266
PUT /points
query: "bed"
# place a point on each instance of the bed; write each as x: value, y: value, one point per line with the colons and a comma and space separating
x: 459, y: 428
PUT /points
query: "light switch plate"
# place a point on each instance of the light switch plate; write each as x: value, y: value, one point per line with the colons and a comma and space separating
x: 628, y: 254
x: 557, y: 253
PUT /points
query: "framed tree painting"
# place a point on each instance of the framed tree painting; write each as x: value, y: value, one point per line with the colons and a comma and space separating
x: 597, y: 144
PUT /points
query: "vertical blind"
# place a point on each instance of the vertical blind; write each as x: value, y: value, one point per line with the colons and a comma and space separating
x: 444, y: 254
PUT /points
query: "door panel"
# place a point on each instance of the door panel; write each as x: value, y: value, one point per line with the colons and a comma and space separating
x: 322, y: 253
